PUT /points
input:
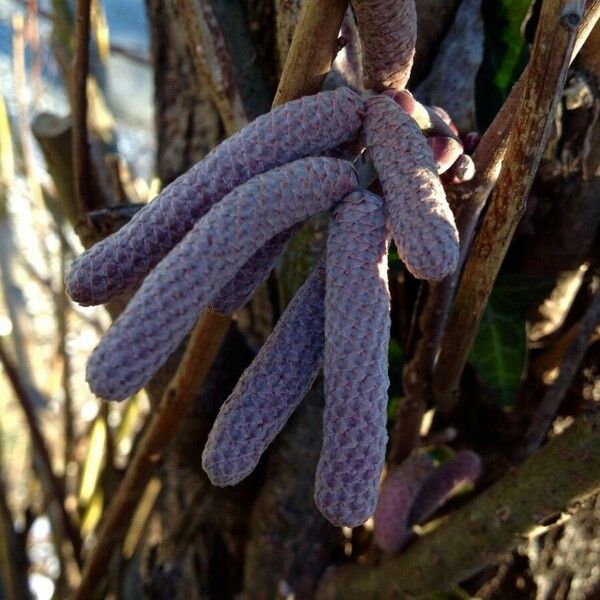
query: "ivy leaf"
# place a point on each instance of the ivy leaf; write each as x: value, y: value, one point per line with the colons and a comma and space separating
x: 499, y: 352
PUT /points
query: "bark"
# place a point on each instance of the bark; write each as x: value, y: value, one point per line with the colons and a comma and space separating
x: 187, y: 123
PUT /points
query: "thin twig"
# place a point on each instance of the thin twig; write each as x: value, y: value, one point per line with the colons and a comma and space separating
x: 551, y: 56
x: 469, y: 199
x: 569, y: 367
x: 416, y: 379
x: 41, y: 449
x: 81, y: 150
x: 201, y: 350
x: 62, y: 311
x: 563, y: 472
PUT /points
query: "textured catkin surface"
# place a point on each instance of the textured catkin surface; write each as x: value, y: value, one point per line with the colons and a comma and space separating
x: 271, y: 387
x: 388, y: 32
x: 171, y: 298
x: 444, y: 482
x: 239, y: 290
x: 357, y: 323
x: 396, y: 498
x: 417, y: 212
x: 304, y: 127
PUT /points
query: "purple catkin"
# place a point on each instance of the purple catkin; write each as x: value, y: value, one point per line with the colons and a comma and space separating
x: 462, y: 469
x: 357, y: 323
x: 271, y: 387
x: 396, y: 498
x: 304, y: 127
x: 168, y: 303
x: 417, y: 212
x: 388, y: 32
x: 239, y: 290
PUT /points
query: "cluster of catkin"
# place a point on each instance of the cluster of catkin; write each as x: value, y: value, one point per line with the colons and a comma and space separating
x: 210, y: 239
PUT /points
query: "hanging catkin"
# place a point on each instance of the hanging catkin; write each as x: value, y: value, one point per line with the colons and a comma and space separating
x: 271, y: 387
x: 417, y: 212
x: 171, y: 298
x: 388, y: 32
x: 357, y: 323
x: 310, y: 125
x: 239, y: 290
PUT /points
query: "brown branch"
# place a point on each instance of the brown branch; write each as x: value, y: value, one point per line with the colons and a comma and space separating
x: 546, y: 74
x: 313, y: 49
x: 14, y: 563
x: 570, y: 364
x: 565, y: 471
x: 416, y: 378
x: 81, y: 67
x: 469, y: 199
x: 41, y: 450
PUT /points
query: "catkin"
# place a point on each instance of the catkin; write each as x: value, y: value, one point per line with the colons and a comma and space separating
x: 417, y: 212
x: 239, y: 290
x: 171, y: 298
x: 271, y: 387
x: 304, y: 127
x: 462, y: 469
x: 357, y: 323
x: 388, y: 32
x: 395, y: 502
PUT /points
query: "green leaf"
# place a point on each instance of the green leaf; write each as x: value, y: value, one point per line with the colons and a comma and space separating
x: 499, y: 352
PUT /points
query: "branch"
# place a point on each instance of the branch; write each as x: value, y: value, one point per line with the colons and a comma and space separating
x: 417, y: 376
x: 572, y: 359
x: 468, y: 200
x: 564, y: 472
x: 313, y: 49
x: 546, y: 74
x: 41, y: 450
x: 14, y: 563
x: 81, y: 67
